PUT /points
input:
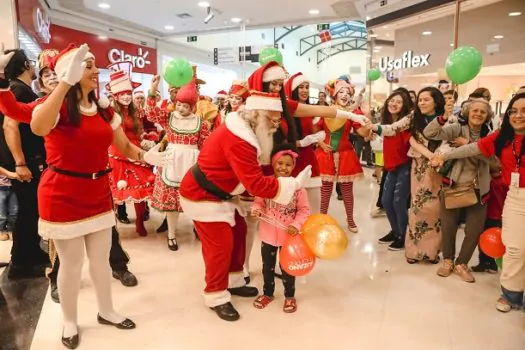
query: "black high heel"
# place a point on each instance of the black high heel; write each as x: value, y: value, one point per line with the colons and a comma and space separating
x: 126, y: 324
x: 70, y: 342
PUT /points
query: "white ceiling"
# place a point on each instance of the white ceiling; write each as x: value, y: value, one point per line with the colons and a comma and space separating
x: 151, y: 16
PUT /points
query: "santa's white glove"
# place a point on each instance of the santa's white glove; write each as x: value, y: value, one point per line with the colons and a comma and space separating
x: 4, y: 59
x: 311, y: 139
x: 160, y: 159
x: 147, y: 144
x: 76, y: 67
x: 159, y: 127
x: 302, y: 178
x: 353, y: 117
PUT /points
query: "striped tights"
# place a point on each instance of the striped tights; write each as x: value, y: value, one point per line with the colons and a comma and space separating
x: 347, y: 189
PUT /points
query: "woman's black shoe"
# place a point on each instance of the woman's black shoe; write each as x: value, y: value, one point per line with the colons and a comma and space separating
x: 172, y: 244
x: 163, y: 227
x: 54, y: 292
x: 71, y: 342
x: 244, y: 291
x: 388, y: 238
x: 126, y: 324
x: 126, y: 278
x: 226, y: 312
x: 125, y: 220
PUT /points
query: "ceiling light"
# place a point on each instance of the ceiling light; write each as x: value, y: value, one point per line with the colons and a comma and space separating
x: 203, y: 4
x: 103, y: 37
x: 104, y: 5
x: 368, y: 18
x: 378, y: 47
x: 451, y: 45
x: 514, y: 14
x: 498, y: 36
x: 169, y: 27
x: 427, y: 33
x: 376, y: 50
x: 236, y: 20
x: 210, y: 16
x: 373, y: 35
x: 385, y: 27
x: 314, y: 12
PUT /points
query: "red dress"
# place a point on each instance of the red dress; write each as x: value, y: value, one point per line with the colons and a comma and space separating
x: 137, y: 175
x: 342, y: 164
x: 69, y: 206
x: 185, y: 136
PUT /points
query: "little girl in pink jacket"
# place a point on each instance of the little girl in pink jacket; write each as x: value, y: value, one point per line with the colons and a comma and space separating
x: 277, y: 222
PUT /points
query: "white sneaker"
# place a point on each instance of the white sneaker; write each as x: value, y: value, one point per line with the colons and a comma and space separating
x: 353, y: 229
x: 377, y: 212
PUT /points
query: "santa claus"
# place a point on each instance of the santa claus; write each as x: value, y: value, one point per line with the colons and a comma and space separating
x: 228, y: 165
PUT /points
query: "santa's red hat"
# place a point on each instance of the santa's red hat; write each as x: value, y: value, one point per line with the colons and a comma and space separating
x: 61, y: 62
x: 269, y: 72
x: 221, y: 94
x: 293, y: 82
x: 188, y: 93
x: 119, y: 82
x: 239, y: 88
x: 45, y: 59
x: 264, y: 101
x: 139, y: 92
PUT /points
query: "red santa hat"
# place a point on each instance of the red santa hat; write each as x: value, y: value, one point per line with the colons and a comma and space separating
x: 269, y: 72
x: 221, y: 94
x: 119, y: 81
x: 139, y: 92
x: 239, y: 88
x: 293, y: 82
x: 188, y: 93
x: 45, y: 59
x: 61, y: 62
x: 264, y: 101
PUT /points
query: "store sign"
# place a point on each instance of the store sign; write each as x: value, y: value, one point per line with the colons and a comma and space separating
x: 42, y: 25
x: 408, y: 60
x: 139, y: 61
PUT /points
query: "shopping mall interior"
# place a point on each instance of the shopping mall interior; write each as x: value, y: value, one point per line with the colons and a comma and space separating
x: 366, y: 296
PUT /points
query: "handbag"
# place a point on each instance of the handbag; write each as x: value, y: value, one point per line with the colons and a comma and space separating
x: 460, y: 196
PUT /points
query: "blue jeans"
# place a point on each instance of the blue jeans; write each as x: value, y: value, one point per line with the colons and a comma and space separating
x: 8, y: 209
x: 395, y: 198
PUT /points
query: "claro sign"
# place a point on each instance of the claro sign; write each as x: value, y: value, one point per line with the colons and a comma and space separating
x: 408, y: 60
x: 139, y: 60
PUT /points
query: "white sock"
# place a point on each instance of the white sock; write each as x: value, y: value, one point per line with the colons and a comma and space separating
x: 98, y: 245
x: 173, y: 219
x: 71, y: 255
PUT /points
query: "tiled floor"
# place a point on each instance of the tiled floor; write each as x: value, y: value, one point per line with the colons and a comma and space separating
x: 369, y: 299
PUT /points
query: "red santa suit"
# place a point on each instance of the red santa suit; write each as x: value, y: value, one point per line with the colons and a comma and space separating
x: 229, y: 160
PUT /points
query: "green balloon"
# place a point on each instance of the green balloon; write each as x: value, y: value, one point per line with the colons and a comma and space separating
x: 374, y: 74
x: 463, y: 64
x: 178, y: 72
x: 270, y: 54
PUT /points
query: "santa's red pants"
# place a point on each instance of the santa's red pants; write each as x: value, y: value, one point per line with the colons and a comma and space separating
x: 223, y: 250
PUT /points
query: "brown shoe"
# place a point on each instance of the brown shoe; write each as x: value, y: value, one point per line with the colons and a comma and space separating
x: 464, y: 272
x: 446, y: 269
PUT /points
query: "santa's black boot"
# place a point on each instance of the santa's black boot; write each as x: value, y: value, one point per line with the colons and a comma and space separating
x: 226, y: 312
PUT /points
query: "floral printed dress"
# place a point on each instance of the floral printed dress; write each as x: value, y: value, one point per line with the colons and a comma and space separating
x: 423, y: 239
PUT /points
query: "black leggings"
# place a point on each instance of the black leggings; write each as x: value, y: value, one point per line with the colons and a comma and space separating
x: 269, y: 258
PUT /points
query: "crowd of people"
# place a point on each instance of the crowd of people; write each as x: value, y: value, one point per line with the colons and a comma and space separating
x: 259, y: 159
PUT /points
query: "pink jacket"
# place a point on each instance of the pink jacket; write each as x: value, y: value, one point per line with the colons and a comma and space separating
x: 295, y: 213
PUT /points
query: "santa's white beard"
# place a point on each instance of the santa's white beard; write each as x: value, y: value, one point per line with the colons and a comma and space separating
x: 265, y: 138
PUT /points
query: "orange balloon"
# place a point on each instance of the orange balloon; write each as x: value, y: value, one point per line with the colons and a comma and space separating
x: 295, y: 256
x: 317, y: 220
x: 327, y: 241
x: 491, y: 244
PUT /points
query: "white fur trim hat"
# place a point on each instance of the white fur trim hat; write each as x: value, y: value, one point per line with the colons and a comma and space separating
x: 264, y: 101
x: 274, y: 73
x: 63, y: 59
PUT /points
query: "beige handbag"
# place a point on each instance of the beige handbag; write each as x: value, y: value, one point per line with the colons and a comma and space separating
x: 460, y: 196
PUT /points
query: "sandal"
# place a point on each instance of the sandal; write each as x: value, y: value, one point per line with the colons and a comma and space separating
x: 290, y: 305
x: 262, y: 301
x: 503, y: 305
x: 172, y: 244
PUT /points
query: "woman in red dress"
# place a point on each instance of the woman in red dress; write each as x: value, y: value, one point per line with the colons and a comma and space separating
x: 74, y: 197
x: 185, y: 134
x: 297, y: 88
x: 130, y: 181
x: 236, y: 98
x: 336, y: 156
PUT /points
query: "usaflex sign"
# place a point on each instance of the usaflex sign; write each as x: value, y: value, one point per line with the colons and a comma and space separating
x: 408, y: 60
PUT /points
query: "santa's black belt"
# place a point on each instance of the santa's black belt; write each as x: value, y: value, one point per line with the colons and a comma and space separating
x: 209, y: 186
x: 92, y: 176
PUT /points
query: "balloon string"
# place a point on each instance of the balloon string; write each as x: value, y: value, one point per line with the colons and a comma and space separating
x: 272, y: 221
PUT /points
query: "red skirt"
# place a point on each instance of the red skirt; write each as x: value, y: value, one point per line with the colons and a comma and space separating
x: 139, y: 180
x: 342, y: 166
x: 165, y: 197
